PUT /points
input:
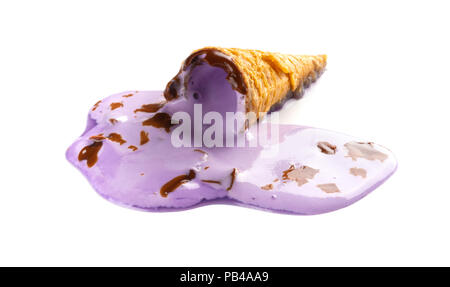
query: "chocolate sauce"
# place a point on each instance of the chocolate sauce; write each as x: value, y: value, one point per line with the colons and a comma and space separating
x: 115, y: 106
x: 214, y: 58
x: 98, y: 137
x: 96, y: 105
x: 287, y: 171
x: 117, y: 171
x: 220, y: 60
x: 211, y: 181
x: 174, y: 183
x: 233, y: 178
x: 267, y: 186
x: 364, y: 150
x: 144, y: 138
x: 159, y: 120
x: 301, y: 175
x: 133, y: 148
x: 150, y: 108
x: 90, y: 153
x: 358, y: 172
x: 172, y: 88
x: 328, y: 187
x: 326, y: 147
x: 115, y: 137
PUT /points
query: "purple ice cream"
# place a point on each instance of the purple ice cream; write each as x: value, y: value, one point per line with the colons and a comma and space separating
x: 127, y: 155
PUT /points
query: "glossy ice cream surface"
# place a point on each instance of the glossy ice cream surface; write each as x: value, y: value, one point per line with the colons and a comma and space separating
x: 127, y: 155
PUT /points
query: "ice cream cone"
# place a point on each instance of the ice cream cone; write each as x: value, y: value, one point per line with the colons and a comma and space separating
x: 266, y: 79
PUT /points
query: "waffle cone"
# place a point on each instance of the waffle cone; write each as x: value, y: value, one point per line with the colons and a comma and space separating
x: 265, y: 78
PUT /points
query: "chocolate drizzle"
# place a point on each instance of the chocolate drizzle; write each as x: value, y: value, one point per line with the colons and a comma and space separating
x: 358, y: 172
x: 287, y: 171
x: 172, y: 88
x: 301, y: 175
x: 90, y: 153
x: 364, y: 150
x: 328, y: 187
x: 114, y: 106
x: 113, y: 121
x: 144, y: 138
x: 225, y: 62
x: 233, y: 178
x: 159, y: 120
x: 211, y: 181
x: 98, y: 137
x: 214, y: 58
x: 267, y: 186
x: 174, y: 183
x: 133, y: 148
x: 326, y: 147
x: 96, y: 105
x: 150, y: 108
x: 115, y: 137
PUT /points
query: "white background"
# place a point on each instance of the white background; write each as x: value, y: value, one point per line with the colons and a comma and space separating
x: 387, y: 80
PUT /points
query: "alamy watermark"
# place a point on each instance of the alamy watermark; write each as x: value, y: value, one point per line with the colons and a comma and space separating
x: 213, y: 129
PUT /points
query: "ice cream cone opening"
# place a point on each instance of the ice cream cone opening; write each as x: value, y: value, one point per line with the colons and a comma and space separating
x: 238, y: 80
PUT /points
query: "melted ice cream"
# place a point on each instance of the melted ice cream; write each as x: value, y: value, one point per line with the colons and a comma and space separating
x: 127, y: 155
